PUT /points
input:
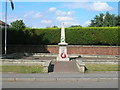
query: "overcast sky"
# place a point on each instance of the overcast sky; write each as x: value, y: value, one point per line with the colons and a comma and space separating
x: 46, y: 14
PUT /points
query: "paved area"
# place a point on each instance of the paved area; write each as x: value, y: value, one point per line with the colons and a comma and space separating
x: 102, y: 84
x: 93, y: 58
x: 82, y: 58
x: 65, y: 66
x: 62, y: 80
x: 39, y: 58
x: 64, y: 75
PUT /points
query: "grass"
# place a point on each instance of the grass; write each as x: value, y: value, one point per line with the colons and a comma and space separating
x: 22, y: 69
x: 39, y: 68
x: 102, y: 67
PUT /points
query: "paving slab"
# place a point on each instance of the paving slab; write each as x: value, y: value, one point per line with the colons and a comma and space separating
x: 65, y: 66
x: 64, y: 75
x: 76, y: 77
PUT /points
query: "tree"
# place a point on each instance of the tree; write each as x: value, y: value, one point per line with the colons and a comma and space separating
x: 18, y: 24
x: 107, y: 20
x: 117, y: 20
x: 54, y: 26
x: 75, y: 26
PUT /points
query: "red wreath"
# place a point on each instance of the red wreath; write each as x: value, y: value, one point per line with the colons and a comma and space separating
x: 63, y: 55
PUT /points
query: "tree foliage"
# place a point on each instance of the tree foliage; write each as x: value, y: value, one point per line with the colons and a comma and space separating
x: 107, y: 20
x: 54, y: 26
x: 76, y: 26
x: 18, y: 24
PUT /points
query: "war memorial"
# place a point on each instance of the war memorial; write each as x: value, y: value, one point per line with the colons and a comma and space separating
x: 57, y: 68
x: 60, y: 57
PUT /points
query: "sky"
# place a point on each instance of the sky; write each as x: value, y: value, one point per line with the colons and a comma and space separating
x: 48, y: 14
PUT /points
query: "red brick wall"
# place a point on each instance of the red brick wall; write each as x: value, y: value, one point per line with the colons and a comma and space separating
x: 76, y: 49
x: 88, y: 50
x: 94, y: 50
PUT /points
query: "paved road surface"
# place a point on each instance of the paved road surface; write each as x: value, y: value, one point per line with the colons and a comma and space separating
x: 113, y: 83
x: 102, y: 84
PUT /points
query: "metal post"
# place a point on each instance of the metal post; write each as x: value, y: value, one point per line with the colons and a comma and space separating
x: 6, y: 28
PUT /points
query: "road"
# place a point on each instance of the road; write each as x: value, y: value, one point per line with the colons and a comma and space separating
x: 67, y: 81
x: 102, y: 84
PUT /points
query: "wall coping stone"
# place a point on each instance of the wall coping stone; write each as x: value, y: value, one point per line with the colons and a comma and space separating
x: 69, y: 45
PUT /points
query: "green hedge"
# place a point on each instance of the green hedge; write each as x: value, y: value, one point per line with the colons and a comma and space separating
x: 74, y: 36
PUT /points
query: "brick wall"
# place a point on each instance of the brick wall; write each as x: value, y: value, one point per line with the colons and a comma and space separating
x: 72, y: 49
x: 93, y: 50
x: 88, y: 50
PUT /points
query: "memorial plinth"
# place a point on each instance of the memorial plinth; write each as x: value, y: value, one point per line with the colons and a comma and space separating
x: 63, y: 56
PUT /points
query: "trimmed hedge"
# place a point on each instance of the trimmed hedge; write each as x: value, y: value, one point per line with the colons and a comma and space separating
x: 74, y: 36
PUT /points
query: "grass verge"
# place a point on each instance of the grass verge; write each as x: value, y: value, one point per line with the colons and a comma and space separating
x: 102, y: 67
x: 22, y: 69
